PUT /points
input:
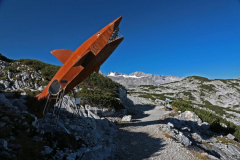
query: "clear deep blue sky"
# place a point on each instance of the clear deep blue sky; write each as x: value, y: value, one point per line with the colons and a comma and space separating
x: 165, y: 37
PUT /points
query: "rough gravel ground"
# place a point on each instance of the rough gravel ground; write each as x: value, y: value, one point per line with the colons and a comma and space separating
x: 142, y: 139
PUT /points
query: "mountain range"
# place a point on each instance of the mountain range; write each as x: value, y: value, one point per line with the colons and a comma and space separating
x: 140, y: 78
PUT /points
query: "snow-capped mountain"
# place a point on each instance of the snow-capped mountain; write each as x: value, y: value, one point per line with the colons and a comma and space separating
x: 141, y: 78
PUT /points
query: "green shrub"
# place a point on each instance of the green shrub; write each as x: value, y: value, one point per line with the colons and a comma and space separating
x: 32, y: 93
x: 189, y: 94
x: 202, y: 79
x: 209, y: 87
x: 44, y: 83
x: 147, y: 96
x: 47, y: 70
x: 100, y: 91
x: 149, y: 86
x: 10, y: 68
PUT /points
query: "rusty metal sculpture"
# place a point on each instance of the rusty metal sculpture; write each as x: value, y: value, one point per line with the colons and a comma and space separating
x: 87, y: 58
x: 78, y: 65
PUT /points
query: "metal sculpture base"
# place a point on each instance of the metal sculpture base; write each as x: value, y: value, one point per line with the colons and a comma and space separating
x: 59, y: 103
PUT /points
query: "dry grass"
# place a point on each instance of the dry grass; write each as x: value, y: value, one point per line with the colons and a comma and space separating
x: 164, y: 117
x: 207, y: 144
x: 168, y: 136
x: 199, y: 155
x: 171, y: 114
x: 165, y: 109
x: 225, y: 140
x: 122, y: 122
x: 176, y: 110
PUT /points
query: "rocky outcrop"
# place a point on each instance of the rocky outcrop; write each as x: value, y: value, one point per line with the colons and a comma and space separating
x: 81, y: 134
x: 200, y: 90
x: 23, y: 77
x: 188, y: 129
x: 127, y: 118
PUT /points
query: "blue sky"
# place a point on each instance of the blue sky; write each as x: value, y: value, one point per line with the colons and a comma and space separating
x: 165, y: 37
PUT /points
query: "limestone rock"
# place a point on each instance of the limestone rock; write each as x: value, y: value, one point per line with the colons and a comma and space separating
x: 47, y: 150
x: 189, y: 116
x: 2, y: 124
x: 230, y: 136
x: 183, y: 139
x: 38, y: 139
x: 3, y: 144
x: 127, y: 118
x: 170, y: 125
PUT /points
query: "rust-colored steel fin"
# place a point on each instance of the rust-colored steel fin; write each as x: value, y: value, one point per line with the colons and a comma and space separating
x: 97, y: 69
x: 85, y: 59
x: 62, y: 54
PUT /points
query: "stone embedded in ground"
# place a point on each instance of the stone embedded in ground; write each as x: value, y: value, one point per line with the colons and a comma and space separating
x: 208, y: 156
x: 12, y: 138
x: 230, y: 136
x: 189, y: 116
x: 97, y: 147
x: 197, y: 137
x: 37, y: 139
x: 92, y: 115
x: 223, y: 125
x: 47, y: 150
x: 183, y: 139
x: 186, y: 129
x: 3, y: 144
x: 35, y: 122
x: 127, y: 118
x: 170, y: 125
x: 2, y: 124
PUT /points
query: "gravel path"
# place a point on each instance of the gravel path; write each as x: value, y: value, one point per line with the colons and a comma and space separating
x: 142, y: 138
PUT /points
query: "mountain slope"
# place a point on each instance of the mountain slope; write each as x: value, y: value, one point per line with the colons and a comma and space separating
x: 219, y: 96
x: 29, y: 76
x: 200, y: 90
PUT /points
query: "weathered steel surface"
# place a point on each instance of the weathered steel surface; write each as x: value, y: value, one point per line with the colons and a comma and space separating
x: 87, y: 58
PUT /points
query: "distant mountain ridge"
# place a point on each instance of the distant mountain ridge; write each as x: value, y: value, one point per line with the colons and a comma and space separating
x: 140, y: 78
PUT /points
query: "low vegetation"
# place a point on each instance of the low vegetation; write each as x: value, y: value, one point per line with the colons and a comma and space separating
x: 216, y: 109
x: 149, y: 86
x: 189, y: 95
x: 47, y: 70
x: 168, y: 136
x: 225, y: 140
x: 122, y: 122
x: 100, y: 91
x: 202, y: 79
x: 199, y: 155
x: 97, y: 90
x: 154, y: 96
x: 209, y: 87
